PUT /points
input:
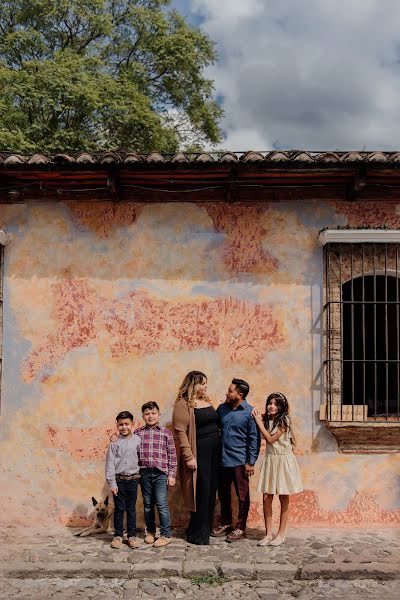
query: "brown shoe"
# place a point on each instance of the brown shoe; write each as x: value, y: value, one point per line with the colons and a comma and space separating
x: 116, y: 543
x: 161, y: 542
x: 236, y: 535
x: 133, y: 542
x: 221, y: 530
x: 150, y: 538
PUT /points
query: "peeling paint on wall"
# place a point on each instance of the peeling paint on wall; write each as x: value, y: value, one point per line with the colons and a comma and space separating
x: 141, y: 325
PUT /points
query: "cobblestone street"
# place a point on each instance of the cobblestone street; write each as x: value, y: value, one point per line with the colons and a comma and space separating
x: 178, y: 588
x: 311, y: 565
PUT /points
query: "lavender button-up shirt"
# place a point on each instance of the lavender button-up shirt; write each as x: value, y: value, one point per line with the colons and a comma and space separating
x: 122, y: 458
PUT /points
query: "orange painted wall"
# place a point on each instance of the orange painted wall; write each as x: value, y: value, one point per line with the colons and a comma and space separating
x: 107, y: 306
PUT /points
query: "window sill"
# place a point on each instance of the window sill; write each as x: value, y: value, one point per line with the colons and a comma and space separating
x: 366, y: 438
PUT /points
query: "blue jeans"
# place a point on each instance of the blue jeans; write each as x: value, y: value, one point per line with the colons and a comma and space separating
x: 155, y: 493
x: 125, y: 501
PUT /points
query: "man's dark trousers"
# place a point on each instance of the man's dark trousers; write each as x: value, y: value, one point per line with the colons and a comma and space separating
x: 237, y: 476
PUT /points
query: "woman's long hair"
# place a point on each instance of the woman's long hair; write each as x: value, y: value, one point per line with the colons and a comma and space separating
x: 188, y: 385
x: 282, y: 419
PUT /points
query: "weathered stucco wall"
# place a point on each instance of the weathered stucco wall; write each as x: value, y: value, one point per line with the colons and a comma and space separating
x: 107, y: 306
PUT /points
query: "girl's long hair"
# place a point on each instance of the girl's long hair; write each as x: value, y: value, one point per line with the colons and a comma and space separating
x: 188, y: 385
x: 282, y: 419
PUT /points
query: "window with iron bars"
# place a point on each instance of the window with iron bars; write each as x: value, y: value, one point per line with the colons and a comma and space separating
x: 361, y: 331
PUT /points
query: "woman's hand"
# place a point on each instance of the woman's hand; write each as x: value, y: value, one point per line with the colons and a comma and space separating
x: 171, y: 481
x: 192, y: 464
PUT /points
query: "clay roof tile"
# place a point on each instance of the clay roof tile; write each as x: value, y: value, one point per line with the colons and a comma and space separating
x: 179, y: 158
x: 85, y: 158
x: 278, y: 156
x: 204, y: 158
x: 228, y: 157
x: 328, y: 157
x: 377, y: 157
x: 155, y: 157
x: 15, y: 159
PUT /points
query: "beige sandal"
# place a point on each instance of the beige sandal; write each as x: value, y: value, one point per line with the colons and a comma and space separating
x: 265, y: 540
x: 277, y: 541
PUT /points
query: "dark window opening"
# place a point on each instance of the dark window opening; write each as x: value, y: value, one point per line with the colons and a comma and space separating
x: 371, y: 344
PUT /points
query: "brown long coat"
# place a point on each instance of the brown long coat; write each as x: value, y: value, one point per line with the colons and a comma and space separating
x: 184, y: 424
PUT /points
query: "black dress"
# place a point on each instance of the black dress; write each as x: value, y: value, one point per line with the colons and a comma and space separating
x: 207, y: 443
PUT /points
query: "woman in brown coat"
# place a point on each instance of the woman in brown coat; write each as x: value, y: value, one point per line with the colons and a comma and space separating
x: 196, y: 432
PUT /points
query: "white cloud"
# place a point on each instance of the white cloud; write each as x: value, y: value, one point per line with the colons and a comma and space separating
x: 314, y: 74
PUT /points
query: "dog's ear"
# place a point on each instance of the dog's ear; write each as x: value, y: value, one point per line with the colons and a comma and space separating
x: 94, y: 501
x: 106, y: 501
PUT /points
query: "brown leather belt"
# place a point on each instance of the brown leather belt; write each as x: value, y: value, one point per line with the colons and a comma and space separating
x: 127, y: 477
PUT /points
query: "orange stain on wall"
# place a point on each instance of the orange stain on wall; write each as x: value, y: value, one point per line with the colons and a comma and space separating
x: 240, y: 331
x: 105, y: 216
x: 305, y: 509
x: 88, y: 443
x: 242, y: 224
x: 370, y: 214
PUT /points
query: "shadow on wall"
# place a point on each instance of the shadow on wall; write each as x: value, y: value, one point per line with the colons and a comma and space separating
x: 323, y: 441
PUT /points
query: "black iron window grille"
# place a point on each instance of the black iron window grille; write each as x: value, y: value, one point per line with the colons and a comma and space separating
x: 361, y: 331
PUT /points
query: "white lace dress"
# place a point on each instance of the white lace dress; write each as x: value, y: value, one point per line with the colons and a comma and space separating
x: 280, y: 472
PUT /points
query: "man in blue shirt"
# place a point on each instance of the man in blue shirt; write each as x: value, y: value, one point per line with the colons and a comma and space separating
x: 240, y: 445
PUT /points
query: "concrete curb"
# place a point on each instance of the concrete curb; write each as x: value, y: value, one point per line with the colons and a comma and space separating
x: 199, y: 569
x: 65, y: 570
x: 381, y: 571
x: 230, y: 570
x: 275, y: 571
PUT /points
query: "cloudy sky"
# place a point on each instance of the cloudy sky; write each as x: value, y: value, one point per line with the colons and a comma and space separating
x: 316, y: 74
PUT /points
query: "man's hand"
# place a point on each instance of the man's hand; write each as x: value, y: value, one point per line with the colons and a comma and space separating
x: 249, y: 469
x: 192, y: 464
x: 114, y: 491
x: 171, y: 481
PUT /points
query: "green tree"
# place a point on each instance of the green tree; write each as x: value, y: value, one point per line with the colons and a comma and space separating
x: 97, y: 74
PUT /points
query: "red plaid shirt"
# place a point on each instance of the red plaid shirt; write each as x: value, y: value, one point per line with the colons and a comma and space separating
x: 157, y: 449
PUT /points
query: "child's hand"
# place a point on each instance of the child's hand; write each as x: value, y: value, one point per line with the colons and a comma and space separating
x: 114, y: 491
x: 171, y: 481
x: 255, y: 413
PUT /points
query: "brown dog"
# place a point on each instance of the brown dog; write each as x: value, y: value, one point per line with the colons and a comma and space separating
x: 104, y: 519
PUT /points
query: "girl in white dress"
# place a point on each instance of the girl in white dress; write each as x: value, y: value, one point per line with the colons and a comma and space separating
x: 279, y: 472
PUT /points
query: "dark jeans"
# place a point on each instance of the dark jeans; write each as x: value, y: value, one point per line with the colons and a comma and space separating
x: 155, y: 494
x: 125, y: 501
x: 237, y: 476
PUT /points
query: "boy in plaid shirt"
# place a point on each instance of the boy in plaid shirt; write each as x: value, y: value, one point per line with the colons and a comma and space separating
x: 157, y: 462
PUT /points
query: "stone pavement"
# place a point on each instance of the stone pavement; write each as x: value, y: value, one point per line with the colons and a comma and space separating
x: 313, y: 564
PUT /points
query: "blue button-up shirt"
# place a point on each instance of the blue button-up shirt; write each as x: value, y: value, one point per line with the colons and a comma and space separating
x: 240, y: 438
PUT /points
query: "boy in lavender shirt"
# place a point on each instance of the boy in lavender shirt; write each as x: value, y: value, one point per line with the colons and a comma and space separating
x: 157, y: 461
x: 122, y: 475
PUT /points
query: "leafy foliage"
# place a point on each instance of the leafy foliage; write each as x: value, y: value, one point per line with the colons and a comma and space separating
x: 96, y: 74
x: 208, y: 580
